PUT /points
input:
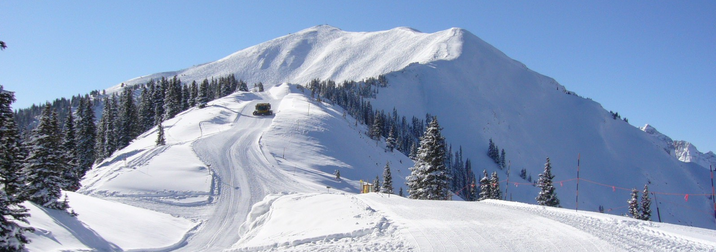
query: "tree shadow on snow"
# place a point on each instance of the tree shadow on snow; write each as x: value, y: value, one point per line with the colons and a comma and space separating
x: 79, y: 230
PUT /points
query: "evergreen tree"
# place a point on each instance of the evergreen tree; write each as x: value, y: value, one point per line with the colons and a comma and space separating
x: 243, y: 86
x: 338, y: 175
x: 158, y: 100
x: 634, y: 208
x: 429, y: 178
x: 485, y: 186
x: 645, y: 204
x: 495, y: 192
x: 523, y: 173
x: 86, y: 137
x: 111, y: 131
x: 44, y: 165
x: 377, y: 130
x: 172, y: 101
x: 387, y: 180
x: 11, y: 156
x: 390, y: 141
x: 160, y: 135
x: 128, y: 124
x: 146, y: 109
x: 69, y: 147
x: 202, y: 97
x: 376, y: 184
x: 193, y: 93
x: 547, y: 195
x: 400, y: 192
x: 503, y: 164
x: 473, y: 196
x: 261, y: 87
x: 12, y: 237
x: 185, y: 95
x: 413, y: 151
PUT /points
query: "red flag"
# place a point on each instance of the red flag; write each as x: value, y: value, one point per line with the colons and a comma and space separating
x: 614, y: 189
x: 686, y: 197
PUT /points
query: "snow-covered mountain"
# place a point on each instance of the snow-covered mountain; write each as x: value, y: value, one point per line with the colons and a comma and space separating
x: 681, y: 150
x: 221, y: 160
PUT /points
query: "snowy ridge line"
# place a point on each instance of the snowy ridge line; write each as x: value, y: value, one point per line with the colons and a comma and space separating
x: 625, y: 233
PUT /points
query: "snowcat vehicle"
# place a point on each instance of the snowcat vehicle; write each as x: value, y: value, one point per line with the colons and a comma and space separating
x: 263, y: 109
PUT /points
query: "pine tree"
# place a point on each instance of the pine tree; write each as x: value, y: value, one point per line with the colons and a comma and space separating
x: 69, y: 147
x: 160, y: 135
x: 634, y: 208
x: 645, y: 204
x: 413, y: 151
x: 158, y: 100
x: 261, y: 87
x: 193, y: 92
x: 400, y: 192
x: 376, y: 184
x: 338, y: 175
x: 429, y: 178
x: 547, y: 195
x: 146, y: 108
x: 495, y: 192
x: 12, y: 237
x: 110, y: 131
x: 44, y: 165
x: 390, y: 141
x: 86, y: 137
x: 202, y: 97
x: 387, y: 180
x: 11, y: 156
x: 485, y: 187
x: 503, y: 164
x: 243, y: 86
x: 128, y: 124
x: 377, y: 130
x: 473, y: 189
x: 172, y: 101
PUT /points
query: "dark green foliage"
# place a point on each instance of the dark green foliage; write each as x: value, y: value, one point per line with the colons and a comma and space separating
x: 387, y: 180
x: 547, y: 195
x: 11, y: 156
x: 44, y: 164
x: 429, y: 178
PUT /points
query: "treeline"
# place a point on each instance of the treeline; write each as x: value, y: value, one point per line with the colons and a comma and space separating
x: 398, y: 131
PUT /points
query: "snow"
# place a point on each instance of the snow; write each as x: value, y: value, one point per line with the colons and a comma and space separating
x: 229, y: 180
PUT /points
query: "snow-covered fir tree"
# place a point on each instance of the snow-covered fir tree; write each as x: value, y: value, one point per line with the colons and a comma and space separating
x: 645, y: 204
x: 413, y: 151
x: 495, y: 192
x: 547, y: 195
x: 429, y: 177
x: 503, y: 163
x: 12, y: 235
x: 376, y: 184
x: 86, y: 133
x: 160, y: 135
x: 11, y: 156
x: 185, y: 94
x: 44, y: 165
x: 193, y: 92
x: 390, y: 141
x: 128, y: 123
x: 203, y: 96
x: 69, y: 148
x: 634, y: 208
x: 158, y: 100
x: 243, y: 86
x: 376, y: 130
x: 172, y: 100
x: 146, y: 108
x: 387, y: 180
x: 485, y: 186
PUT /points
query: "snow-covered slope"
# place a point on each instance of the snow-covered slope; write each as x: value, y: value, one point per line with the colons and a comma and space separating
x: 681, y: 150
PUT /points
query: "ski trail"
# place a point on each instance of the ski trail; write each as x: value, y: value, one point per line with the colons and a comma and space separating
x: 246, y: 176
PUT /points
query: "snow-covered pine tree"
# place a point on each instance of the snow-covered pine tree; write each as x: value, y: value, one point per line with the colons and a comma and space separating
x: 261, y: 87
x: 387, y: 180
x: 473, y: 189
x: 111, y: 130
x: 400, y: 192
x: 243, y: 86
x: 634, y: 208
x: 160, y: 135
x: 645, y: 204
x: 11, y: 156
x: 172, y: 101
x: 146, y: 108
x: 429, y: 178
x: 503, y: 164
x: 203, y: 95
x: 495, y: 192
x: 185, y: 97
x: 69, y: 148
x: 485, y: 186
x: 390, y: 141
x: 128, y: 124
x: 547, y: 195
x: 376, y: 184
x: 44, y: 165
x: 12, y: 237
x: 376, y: 130
x: 193, y: 92
x: 86, y: 136
x: 158, y: 100
x: 413, y: 151
x: 101, y: 140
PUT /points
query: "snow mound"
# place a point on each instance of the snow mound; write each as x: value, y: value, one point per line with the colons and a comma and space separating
x: 104, y: 226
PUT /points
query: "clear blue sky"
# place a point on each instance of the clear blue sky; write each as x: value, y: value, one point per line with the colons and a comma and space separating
x: 652, y: 61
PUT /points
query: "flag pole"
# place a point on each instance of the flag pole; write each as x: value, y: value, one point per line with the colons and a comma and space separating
x: 577, y: 198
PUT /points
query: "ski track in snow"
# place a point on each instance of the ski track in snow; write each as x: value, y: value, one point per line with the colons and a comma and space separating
x: 245, y: 176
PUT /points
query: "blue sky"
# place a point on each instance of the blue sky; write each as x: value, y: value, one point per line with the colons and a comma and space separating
x: 652, y: 61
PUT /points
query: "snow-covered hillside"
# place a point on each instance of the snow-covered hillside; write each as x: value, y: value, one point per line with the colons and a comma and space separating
x: 682, y: 150
x: 221, y: 160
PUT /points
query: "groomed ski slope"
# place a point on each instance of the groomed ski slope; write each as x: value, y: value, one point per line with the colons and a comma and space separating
x: 379, y: 222
x: 228, y: 180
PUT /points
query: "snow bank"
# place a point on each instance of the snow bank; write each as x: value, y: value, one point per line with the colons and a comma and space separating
x: 104, y: 226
